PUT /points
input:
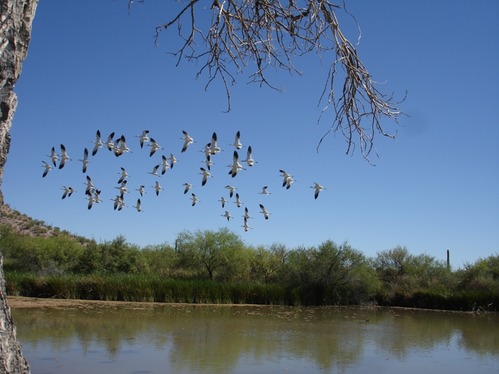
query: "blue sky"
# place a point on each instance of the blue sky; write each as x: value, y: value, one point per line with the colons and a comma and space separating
x: 91, y: 66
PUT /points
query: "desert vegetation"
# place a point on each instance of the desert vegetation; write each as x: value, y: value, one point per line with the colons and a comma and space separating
x: 217, y: 267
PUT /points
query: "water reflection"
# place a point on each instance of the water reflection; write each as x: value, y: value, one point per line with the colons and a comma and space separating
x: 223, y: 339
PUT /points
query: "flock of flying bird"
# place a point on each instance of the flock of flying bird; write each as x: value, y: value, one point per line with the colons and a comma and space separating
x: 119, y: 147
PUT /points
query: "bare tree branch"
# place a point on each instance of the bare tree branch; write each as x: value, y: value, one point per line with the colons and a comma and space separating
x: 258, y: 34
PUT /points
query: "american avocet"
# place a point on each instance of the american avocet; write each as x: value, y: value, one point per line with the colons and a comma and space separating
x: 317, y: 189
x: 245, y: 225
x: 90, y: 186
x: 223, y: 201
x: 84, y: 161
x: 287, y: 179
x: 123, y: 175
x: 142, y: 190
x: 47, y: 167
x: 264, y: 191
x: 246, y: 214
x: 123, y: 188
x: 237, y: 141
x: 143, y: 138
x: 68, y: 191
x: 264, y: 211
x: 119, y: 202
x: 227, y: 215
x: 120, y: 146
x: 154, y: 146
x: 206, y: 174
x: 235, y: 166
x: 238, y: 201
x: 194, y: 199
x: 138, y: 206
x: 157, y: 187
x: 164, y: 164
x: 187, y: 187
x: 172, y: 160
x: 231, y: 190
x: 109, y: 142
x: 53, y: 156
x: 214, y: 148
x: 64, y: 157
x: 187, y: 140
x: 154, y: 171
x: 98, y: 143
x: 207, y: 162
x: 249, y: 157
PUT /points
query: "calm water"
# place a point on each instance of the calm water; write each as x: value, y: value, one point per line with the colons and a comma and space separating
x: 208, y: 339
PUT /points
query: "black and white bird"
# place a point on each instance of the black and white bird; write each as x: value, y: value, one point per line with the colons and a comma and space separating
x: 238, y: 201
x: 231, y: 190
x: 123, y: 188
x: 157, y: 187
x: 188, y: 140
x: 47, y: 168
x: 109, y: 142
x: 227, y: 215
x: 120, y: 146
x: 237, y: 141
x: 154, y: 146
x: 317, y: 189
x: 187, y: 187
x: 143, y: 138
x: 98, y: 143
x: 223, y: 201
x: 154, y: 171
x: 68, y: 191
x: 264, y: 191
x: 141, y: 190
x: 85, y: 161
x: 213, y: 145
x: 64, y: 157
x: 164, y: 164
x: 53, y: 156
x: 123, y: 175
x: 206, y: 174
x: 287, y: 179
x: 264, y: 211
x: 249, y: 157
x: 172, y: 160
x: 194, y: 199
x: 246, y: 215
x: 235, y: 166
x: 138, y: 206
x: 90, y: 186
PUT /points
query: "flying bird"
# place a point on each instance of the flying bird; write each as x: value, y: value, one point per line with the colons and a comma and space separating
x: 120, y: 146
x: 223, y: 201
x: 64, y: 157
x: 238, y: 201
x: 187, y: 140
x: 47, y: 167
x: 90, y: 187
x: 154, y: 146
x: 206, y: 174
x: 143, y: 138
x: 287, y: 179
x: 237, y: 141
x: 227, y: 215
x: 235, y: 166
x: 157, y: 187
x: 172, y: 160
x: 53, y: 156
x: 68, y: 191
x: 249, y: 157
x: 84, y: 161
x: 213, y: 146
x: 246, y: 225
x: 123, y: 188
x: 123, y: 175
x: 194, y: 199
x: 246, y: 214
x: 138, y: 206
x: 98, y: 143
x: 264, y: 211
x: 264, y: 191
x: 164, y: 164
x: 154, y: 170
x: 231, y: 190
x: 109, y: 143
x: 142, y: 190
x: 187, y: 187
x: 317, y: 189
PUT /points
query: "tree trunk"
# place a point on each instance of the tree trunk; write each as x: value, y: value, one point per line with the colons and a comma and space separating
x: 16, y: 17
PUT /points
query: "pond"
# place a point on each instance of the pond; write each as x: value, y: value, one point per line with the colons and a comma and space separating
x: 143, y: 338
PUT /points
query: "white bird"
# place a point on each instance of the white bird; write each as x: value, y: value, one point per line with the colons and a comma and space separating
x: 205, y: 174
x: 172, y: 160
x: 264, y: 191
x: 120, y: 146
x: 231, y: 190
x: 246, y: 214
x: 317, y: 189
x: 264, y: 211
x: 187, y: 140
x: 68, y: 191
x: 64, y: 157
x: 227, y: 215
x: 143, y: 138
x: 157, y: 187
x: 109, y: 142
x: 90, y: 201
x: 164, y: 164
x: 84, y: 161
x: 90, y: 187
x: 223, y: 201
x: 246, y: 226
x: 138, y: 206
x: 287, y: 179
x: 53, y: 156
x: 47, y: 167
x: 98, y: 143
x: 119, y: 202
x: 142, y: 190
x: 187, y: 187
x: 123, y: 175
x: 154, y: 171
x: 207, y: 162
x: 214, y: 148
x: 194, y: 199
x: 123, y: 188
x: 238, y: 201
x: 96, y: 195
x: 235, y: 166
x: 249, y: 157
x: 95, y: 198
x: 154, y: 146
x: 237, y: 141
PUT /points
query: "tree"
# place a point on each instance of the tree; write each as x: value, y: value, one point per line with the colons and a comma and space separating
x: 271, y: 33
